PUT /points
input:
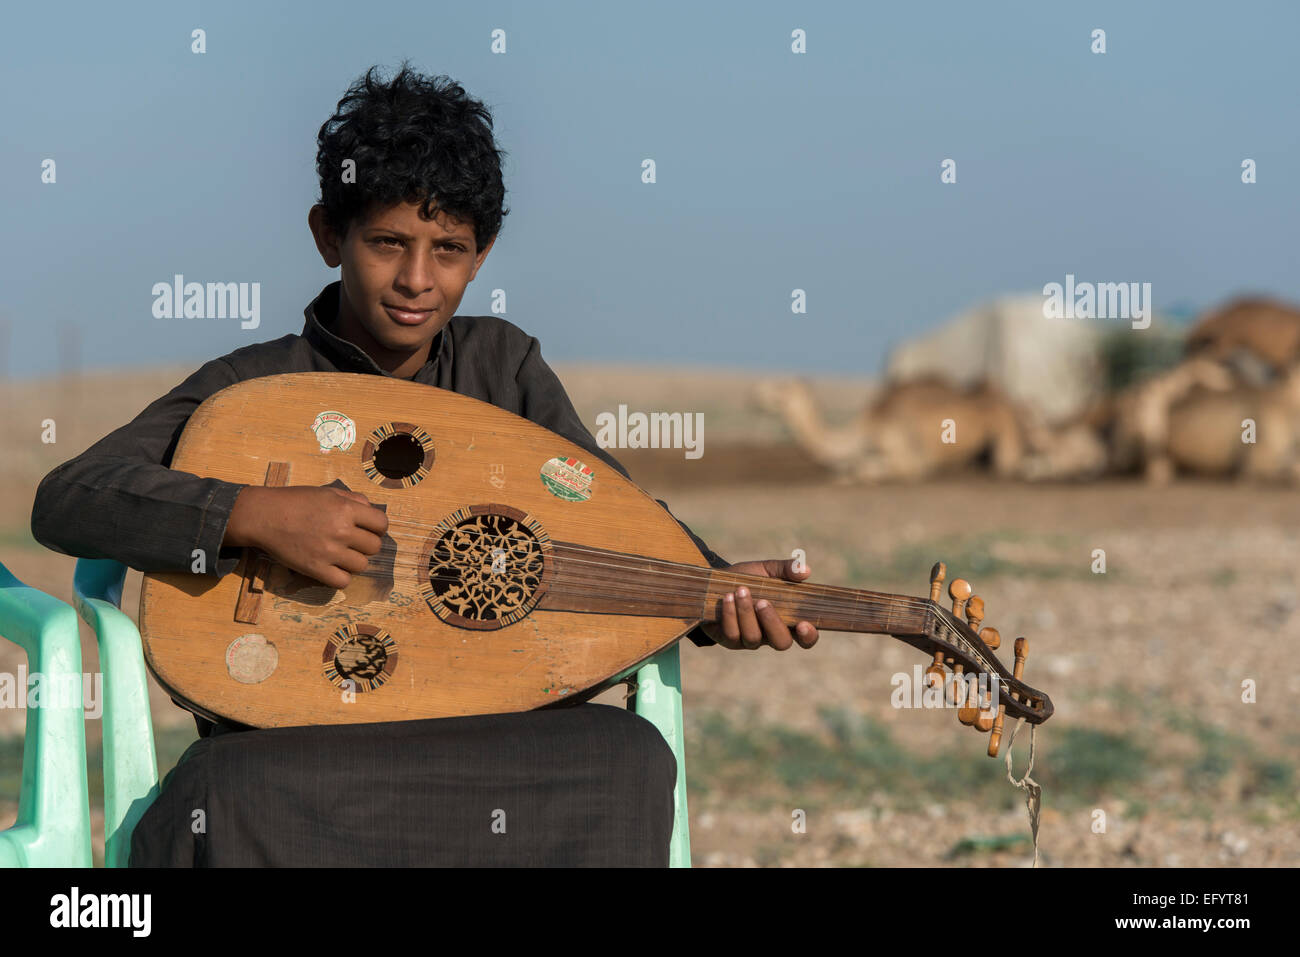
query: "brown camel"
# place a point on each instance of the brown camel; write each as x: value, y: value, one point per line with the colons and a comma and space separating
x: 912, y: 430
x: 1195, y: 417
x: 1265, y: 328
x: 1123, y: 432
x: 1250, y: 432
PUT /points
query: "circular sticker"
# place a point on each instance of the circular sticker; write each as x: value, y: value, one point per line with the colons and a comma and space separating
x: 251, y: 659
x: 568, y: 479
x: 334, y: 430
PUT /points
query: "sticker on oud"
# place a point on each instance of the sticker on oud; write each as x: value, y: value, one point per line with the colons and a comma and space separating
x: 250, y: 659
x: 334, y: 430
x: 568, y: 479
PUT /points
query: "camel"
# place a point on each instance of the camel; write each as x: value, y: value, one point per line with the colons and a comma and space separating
x: 1207, y: 431
x: 901, y: 434
x: 1123, y: 432
x: 1189, y: 418
x: 1264, y: 328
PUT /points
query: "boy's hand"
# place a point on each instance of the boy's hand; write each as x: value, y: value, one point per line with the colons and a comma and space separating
x: 750, y: 624
x: 324, y: 533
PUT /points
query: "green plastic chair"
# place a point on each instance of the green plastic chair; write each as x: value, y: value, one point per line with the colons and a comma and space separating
x: 130, y: 768
x: 53, y: 825
x: 130, y: 761
x: 657, y: 697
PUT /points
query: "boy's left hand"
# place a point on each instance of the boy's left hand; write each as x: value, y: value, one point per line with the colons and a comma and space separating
x: 747, y: 623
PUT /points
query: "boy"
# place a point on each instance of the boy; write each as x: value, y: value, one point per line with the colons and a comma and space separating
x: 411, y: 204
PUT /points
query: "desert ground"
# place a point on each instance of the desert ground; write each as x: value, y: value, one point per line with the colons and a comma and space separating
x: 1174, y: 740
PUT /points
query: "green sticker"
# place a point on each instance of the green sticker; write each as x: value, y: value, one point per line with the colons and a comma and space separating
x: 568, y: 479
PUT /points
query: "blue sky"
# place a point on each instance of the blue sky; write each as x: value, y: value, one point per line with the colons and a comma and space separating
x: 776, y: 171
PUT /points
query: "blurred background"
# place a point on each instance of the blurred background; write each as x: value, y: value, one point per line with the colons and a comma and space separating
x: 841, y: 254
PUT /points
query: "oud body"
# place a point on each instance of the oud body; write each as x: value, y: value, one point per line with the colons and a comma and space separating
x: 539, y: 528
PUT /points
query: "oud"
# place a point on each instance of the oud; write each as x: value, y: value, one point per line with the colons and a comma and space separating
x: 518, y: 571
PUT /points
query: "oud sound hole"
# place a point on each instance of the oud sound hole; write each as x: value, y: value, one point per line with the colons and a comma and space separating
x: 362, y: 657
x: 397, y: 455
x: 359, y: 657
x: 487, y: 567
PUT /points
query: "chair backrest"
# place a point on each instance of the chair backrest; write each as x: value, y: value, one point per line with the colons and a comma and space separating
x: 53, y: 824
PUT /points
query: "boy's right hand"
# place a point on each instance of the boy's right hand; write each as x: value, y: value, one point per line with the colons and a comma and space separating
x: 325, y: 533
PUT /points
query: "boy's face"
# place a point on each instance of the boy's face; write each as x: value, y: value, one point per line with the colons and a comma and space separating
x: 403, y: 279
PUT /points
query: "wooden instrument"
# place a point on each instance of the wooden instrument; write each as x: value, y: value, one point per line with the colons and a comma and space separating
x: 518, y: 570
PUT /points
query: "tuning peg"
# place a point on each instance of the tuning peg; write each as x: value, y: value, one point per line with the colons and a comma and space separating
x: 959, y: 591
x: 934, y: 674
x: 983, y: 719
x: 968, y: 713
x: 953, y: 694
x: 985, y: 714
x: 1022, y: 652
x: 936, y: 579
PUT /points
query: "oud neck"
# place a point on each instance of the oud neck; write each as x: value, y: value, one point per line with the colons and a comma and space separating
x: 826, y: 606
x: 600, y: 580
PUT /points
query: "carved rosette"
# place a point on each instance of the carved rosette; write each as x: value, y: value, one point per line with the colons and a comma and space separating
x: 364, y: 655
x: 486, y: 566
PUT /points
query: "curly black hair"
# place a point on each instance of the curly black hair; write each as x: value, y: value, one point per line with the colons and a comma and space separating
x: 414, y: 139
